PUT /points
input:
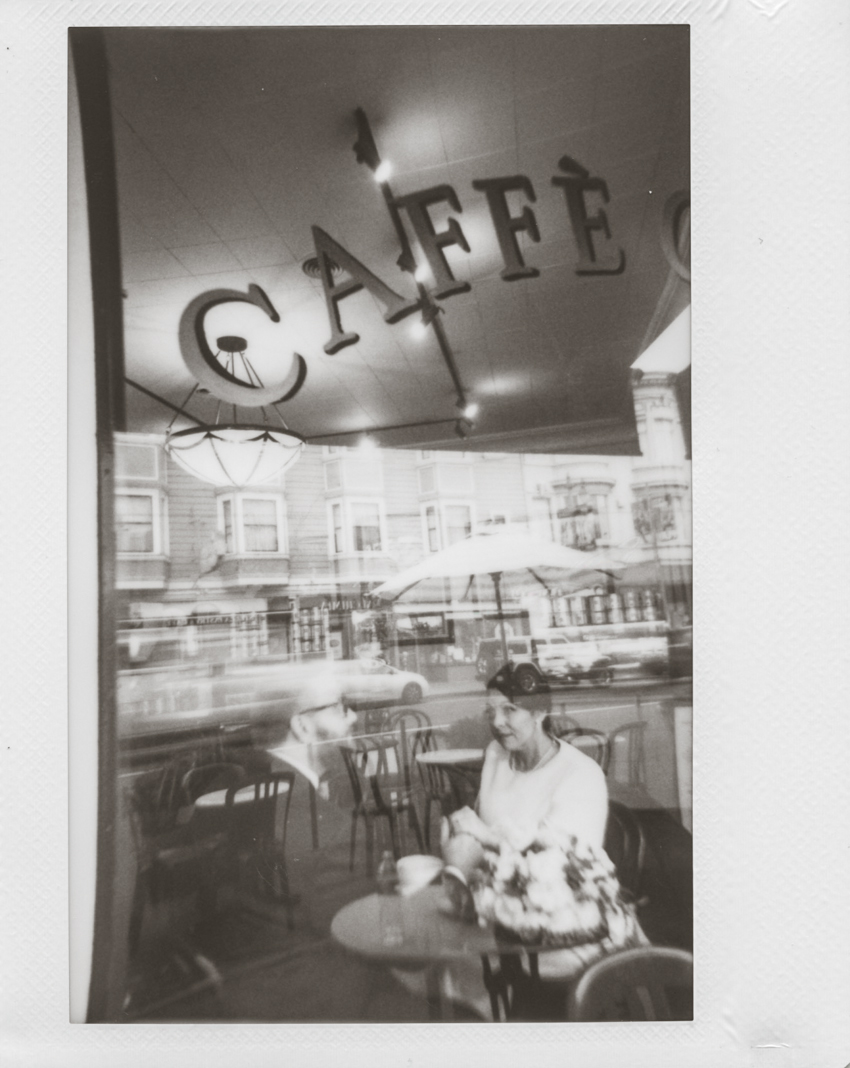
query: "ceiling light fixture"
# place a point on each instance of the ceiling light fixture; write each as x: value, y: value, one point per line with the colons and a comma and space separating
x: 383, y: 171
x: 463, y: 428
x: 234, y: 454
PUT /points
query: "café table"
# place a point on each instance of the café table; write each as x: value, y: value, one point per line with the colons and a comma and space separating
x: 463, y: 767
x: 432, y: 937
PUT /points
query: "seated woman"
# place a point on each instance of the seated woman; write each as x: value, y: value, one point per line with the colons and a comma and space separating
x: 531, y: 783
x: 530, y: 780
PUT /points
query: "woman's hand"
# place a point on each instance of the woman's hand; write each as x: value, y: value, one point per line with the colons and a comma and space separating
x: 467, y: 822
x: 463, y: 852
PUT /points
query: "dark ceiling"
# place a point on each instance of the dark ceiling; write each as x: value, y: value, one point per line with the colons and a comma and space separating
x: 232, y: 144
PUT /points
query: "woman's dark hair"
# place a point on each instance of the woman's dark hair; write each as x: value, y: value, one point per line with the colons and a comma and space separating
x: 505, y: 681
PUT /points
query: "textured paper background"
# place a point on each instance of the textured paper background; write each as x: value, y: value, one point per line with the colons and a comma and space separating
x: 771, y: 314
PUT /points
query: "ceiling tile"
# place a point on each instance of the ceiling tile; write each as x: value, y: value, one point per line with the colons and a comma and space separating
x: 232, y: 144
x: 261, y: 251
x: 207, y: 259
x: 145, y: 266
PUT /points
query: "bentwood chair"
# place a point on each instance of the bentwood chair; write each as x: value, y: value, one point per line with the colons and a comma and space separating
x: 257, y: 807
x: 626, y: 747
x: 413, y: 727
x: 651, y: 983
x: 177, y: 857
x: 625, y: 845
x: 378, y: 791
x: 591, y: 742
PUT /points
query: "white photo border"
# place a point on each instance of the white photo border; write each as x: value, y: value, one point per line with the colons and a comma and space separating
x: 771, y: 319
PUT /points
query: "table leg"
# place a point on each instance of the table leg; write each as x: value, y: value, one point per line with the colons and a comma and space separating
x: 439, y: 1007
x: 314, y: 817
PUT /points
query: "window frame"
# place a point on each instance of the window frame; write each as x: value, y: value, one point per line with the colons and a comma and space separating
x: 159, y: 522
x: 440, y: 506
x: 346, y: 511
x: 444, y: 507
x: 236, y: 500
x: 434, y: 507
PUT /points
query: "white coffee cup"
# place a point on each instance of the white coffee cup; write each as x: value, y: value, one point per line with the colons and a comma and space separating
x: 416, y: 872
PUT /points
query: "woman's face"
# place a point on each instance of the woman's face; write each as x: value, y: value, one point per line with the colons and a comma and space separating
x: 512, y: 726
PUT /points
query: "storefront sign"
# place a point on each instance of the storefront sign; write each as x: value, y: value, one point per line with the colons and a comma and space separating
x: 590, y: 229
x: 597, y: 254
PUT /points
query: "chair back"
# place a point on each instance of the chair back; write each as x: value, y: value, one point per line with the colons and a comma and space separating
x: 209, y: 777
x: 352, y: 757
x: 559, y: 723
x: 625, y: 845
x: 414, y: 734
x: 370, y: 762
x: 651, y: 983
x: 258, y: 815
x: 375, y: 720
x: 626, y: 746
x: 591, y: 742
x: 435, y: 780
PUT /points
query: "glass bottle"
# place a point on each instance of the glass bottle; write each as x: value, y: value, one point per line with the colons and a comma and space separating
x: 390, y: 903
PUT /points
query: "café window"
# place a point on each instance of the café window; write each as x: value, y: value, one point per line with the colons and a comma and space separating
x: 138, y: 522
x: 356, y: 526
x: 251, y: 524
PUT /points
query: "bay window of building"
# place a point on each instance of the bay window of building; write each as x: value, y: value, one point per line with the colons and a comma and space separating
x: 366, y: 526
x: 251, y: 524
x: 432, y: 529
x: 356, y: 526
x: 458, y: 522
x: 445, y: 524
x: 584, y: 520
x: 337, y: 529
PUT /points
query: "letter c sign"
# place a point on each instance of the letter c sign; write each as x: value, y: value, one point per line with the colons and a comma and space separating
x: 203, y: 365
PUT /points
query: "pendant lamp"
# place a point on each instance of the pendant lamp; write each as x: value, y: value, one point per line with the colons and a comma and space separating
x: 235, y: 454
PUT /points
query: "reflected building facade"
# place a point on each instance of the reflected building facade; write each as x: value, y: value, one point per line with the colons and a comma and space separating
x: 286, y: 569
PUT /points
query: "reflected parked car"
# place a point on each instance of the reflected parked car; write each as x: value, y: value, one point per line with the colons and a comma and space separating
x: 369, y: 681
x: 551, y: 657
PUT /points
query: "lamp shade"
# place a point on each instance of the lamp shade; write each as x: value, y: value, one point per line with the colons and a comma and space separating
x: 234, y: 455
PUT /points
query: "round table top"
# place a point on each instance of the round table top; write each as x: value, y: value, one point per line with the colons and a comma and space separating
x: 452, y: 757
x: 430, y: 932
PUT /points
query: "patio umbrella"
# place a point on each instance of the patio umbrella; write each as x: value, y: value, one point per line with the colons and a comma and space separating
x: 510, y: 558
